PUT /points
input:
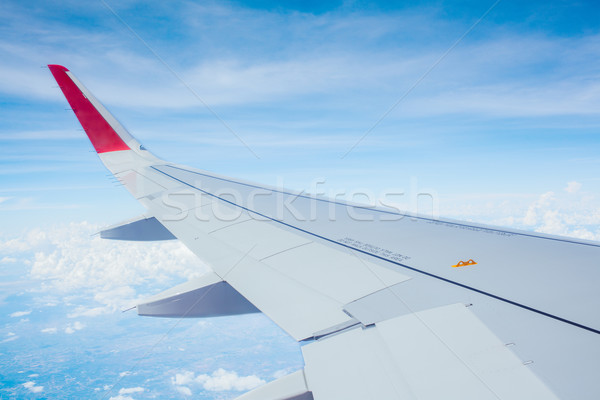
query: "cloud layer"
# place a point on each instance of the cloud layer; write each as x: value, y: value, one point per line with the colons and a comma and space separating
x: 362, y: 56
x: 572, y: 211
x: 219, y: 380
x: 71, y: 260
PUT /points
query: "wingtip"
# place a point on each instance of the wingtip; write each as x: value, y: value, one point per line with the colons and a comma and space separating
x: 57, y: 67
x: 99, y: 130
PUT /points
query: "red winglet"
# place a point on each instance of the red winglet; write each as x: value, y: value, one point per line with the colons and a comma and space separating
x: 101, y: 134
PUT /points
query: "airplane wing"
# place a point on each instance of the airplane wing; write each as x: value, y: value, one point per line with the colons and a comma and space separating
x: 385, y: 305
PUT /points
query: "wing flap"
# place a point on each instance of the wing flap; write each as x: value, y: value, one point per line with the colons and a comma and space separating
x: 439, y: 353
x: 300, y: 310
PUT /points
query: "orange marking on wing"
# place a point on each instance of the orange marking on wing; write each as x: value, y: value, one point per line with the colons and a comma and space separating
x: 464, y: 263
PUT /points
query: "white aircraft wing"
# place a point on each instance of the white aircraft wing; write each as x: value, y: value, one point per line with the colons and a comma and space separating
x: 385, y: 305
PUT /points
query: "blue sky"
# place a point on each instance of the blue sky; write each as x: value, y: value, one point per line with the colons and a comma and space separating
x: 510, y: 113
x: 504, y: 130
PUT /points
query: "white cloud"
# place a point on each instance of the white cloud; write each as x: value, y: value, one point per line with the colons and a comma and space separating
x: 112, y: 300
x: 34, y: 238
x: 69, y: 259
x: 74, y: 259
x: 573, y: 187
x: 38, y: 135
x: 561, y: 213
x: 577, y: 217
x: 49, y: 330
x: 228, y: 380
x: 219, y: 380
x: 241, y: 81
x: 539, y: 206
x: 74, y: 327
x: 120, y: 397
x: 10, y: 336
x: 20, y: 313
x: 81, y: 311
x: 132, y: 390
x: 183, y: 379
x: 32, y: 387
x: 497, y: 78
x: 125, y: 392
x: 8, y: 260
x: 184, y: 390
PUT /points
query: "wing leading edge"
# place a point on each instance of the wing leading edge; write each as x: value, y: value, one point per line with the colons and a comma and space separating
x: 373, y: 295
